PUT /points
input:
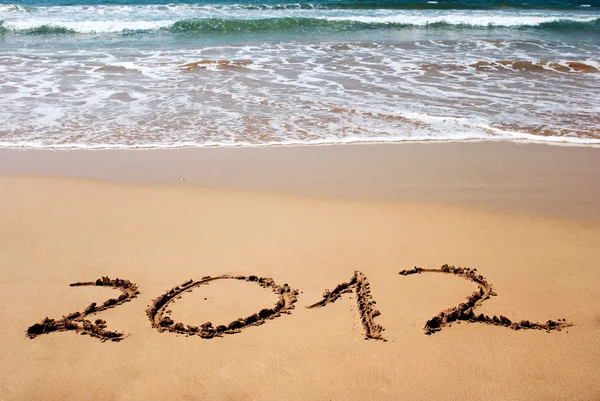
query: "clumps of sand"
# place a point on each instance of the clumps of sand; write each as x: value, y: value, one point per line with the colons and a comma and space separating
x: 77, y: 321
x: 466, y: 311
x: 565, y: 67
x: 364, y: 302
x: 157, y: 311
x: 232, y: 65
x: 530, y: 66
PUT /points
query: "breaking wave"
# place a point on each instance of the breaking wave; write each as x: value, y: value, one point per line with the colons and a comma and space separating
x: 259, y: 25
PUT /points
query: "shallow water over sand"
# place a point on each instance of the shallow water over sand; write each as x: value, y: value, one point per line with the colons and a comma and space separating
x: 223, y: 74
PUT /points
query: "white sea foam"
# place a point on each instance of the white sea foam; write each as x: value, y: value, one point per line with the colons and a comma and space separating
x: 11, y: 8
x: 471, y: 19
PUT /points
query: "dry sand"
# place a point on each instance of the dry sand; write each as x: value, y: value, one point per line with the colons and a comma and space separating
x: 537, y: 242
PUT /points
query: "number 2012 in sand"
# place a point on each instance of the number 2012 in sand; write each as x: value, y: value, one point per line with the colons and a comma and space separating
x: 158, y: 312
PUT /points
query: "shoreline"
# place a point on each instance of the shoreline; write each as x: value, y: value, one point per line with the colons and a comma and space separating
x: 540, y: 179
x: 576, y: 142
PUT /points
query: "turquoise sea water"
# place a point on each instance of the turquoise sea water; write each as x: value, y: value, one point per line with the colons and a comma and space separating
x: 151, y: 73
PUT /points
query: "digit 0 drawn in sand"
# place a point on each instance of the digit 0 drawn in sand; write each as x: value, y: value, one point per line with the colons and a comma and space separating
x: 77, y: 321
x: 157, y: 310
x: 466, y: 311
x: 364, y: 301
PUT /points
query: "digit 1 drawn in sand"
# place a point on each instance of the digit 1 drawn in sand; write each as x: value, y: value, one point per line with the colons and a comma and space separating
x: 77, y: 321
x: 364, y: 301
x: 465, y: 311
x: 157, y: 311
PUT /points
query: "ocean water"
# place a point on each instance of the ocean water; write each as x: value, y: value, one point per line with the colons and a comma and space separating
x: 152, y: 73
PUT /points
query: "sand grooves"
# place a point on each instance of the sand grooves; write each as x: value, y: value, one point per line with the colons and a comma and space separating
x: 364, y: 301
x: 157, y: 310
x: 77, y: 321
x: 466, y: 311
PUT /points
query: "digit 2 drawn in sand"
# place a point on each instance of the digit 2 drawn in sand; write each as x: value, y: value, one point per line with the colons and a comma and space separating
x: 160, y: 320
x: 364, y: 301
x: 465, y: 311
x: 77, y: 321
